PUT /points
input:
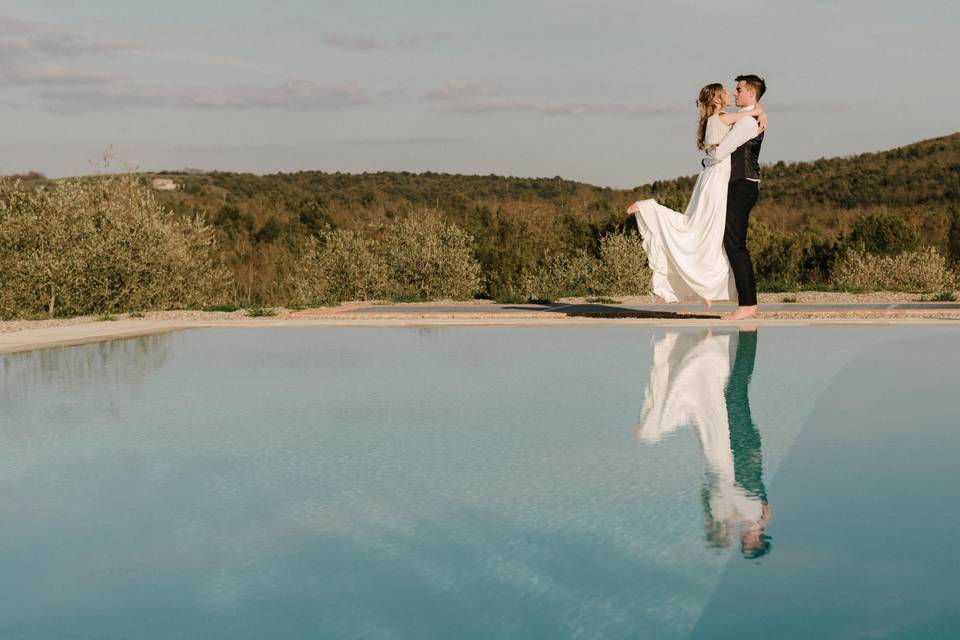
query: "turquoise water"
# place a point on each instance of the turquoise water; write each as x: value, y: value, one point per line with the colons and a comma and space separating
x: 618, y: 482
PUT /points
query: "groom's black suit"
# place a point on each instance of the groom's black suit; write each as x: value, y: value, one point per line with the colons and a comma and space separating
x: 741, y: 196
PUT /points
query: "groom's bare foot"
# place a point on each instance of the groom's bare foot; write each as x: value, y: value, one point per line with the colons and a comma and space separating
x: 741, y: 313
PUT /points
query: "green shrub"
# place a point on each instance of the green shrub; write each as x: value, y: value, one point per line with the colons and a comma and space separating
x: 561, y: 275
x: 817, y: 257
x: 428, y: 258
x: 953, y: 237
x: 623, y: 270
x: 419, y: 258
x: 775, y: 286
x: 602, y: 300
x: 782, y: 260
x: 510, y: 298
x: 102, y: 245
x: 924, y: 270
x: 261, y: 312
x: 226, y: 308
x: 343, y: 265
x: 776, y: 256
x: 883, y: 234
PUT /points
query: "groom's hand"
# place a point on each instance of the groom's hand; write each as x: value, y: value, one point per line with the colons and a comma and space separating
x: 761, y: 123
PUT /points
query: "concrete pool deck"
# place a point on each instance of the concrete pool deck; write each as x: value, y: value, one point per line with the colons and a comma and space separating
x: 636, y: 310
x: 26, y: 336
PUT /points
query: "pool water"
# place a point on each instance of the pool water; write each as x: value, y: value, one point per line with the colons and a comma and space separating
x: 484, y: 482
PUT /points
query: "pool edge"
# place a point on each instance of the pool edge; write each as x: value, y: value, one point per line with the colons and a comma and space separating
x: 65, y: 336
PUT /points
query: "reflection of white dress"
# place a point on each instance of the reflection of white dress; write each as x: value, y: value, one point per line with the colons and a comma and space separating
x: 688, y: 376
x: 685, y: 251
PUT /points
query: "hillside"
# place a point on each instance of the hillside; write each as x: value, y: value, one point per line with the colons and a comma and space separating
x: 919, y: 174
x: 923, y: 173
x: 805, y: 213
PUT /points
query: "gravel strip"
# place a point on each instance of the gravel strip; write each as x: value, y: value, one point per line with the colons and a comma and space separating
x: 800, y: 297
x: 11, y: 326
x: 807, y: 297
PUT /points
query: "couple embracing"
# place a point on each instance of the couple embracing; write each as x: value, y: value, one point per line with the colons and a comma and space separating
x: 702, y: 253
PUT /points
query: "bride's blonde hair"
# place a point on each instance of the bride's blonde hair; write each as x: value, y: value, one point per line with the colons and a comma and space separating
x: 709, y: 102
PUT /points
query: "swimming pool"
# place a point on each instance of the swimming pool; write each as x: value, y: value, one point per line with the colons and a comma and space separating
x: 484, y: 482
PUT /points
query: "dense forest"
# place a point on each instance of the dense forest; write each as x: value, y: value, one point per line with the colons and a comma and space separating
x: 807, y: 216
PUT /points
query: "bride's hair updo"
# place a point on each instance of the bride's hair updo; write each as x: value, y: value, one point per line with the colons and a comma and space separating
x: 709, y: 102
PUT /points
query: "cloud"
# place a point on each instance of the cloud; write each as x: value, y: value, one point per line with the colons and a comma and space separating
x: 458, y: 96
x: 41, y: 57
x: 560, y: 108
x: 55, y: 74
x: 459, y: 91
x: 413, y: 140
x: 43, y: 54
x: 80, y: 99
x: 290, y: 95
x: 824, y: 107
x: 294, y: 95
x: 353, y: 42
x: 23, y: 40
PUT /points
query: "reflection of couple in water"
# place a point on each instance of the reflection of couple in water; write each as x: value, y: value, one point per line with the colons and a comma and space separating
x: 701, y: 379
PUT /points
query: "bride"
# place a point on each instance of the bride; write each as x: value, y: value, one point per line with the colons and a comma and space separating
x: 685, y: 250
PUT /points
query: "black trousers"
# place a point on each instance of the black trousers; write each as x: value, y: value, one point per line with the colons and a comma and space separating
x: 741, y: 196
x: 744, y: 436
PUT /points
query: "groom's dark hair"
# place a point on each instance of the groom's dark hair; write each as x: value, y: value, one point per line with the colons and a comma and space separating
x: 758, y: 84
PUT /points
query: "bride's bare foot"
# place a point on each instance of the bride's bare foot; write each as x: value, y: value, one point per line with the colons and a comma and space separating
x: 741, y: 313
x: 707, y: 302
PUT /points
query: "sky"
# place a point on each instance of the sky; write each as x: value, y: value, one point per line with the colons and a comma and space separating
x: 600, y: 91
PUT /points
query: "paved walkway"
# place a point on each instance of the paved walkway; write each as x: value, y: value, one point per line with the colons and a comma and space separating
x: 419, y: 315
x: 640, y: 309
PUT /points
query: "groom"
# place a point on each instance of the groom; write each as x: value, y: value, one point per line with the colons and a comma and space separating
x: 743, y: 145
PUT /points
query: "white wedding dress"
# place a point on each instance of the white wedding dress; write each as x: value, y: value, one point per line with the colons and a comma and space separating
x: 685, y: 250
x: 688, y: 378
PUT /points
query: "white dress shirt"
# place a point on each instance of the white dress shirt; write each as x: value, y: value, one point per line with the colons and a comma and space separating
x: 743, y: 129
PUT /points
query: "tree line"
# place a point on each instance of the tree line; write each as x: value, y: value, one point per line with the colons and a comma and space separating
x: 816, y: 224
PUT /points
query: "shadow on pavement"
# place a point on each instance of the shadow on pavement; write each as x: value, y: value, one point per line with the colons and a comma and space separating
x: 605, y: 311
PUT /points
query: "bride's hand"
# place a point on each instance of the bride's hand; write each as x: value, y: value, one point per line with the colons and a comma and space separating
x: 761, y: 117
x: 762, y: 122
x: 634, y: 208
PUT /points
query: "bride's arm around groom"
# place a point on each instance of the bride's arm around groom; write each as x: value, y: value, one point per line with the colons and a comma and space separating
x: 742, y: 130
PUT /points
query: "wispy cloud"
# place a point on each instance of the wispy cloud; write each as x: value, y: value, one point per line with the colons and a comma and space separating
x: 24, y: 40
x: 289, y: 95
x: 457, y: 96
x: 457, y: 91
x: 354, y: 42
x: 44, y: 58
x: 413, y: 140
x: 47, y: 54
x: 560, y: 108
x: 55, y: 74
x: 786, y: 106
x: 294, y: 95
